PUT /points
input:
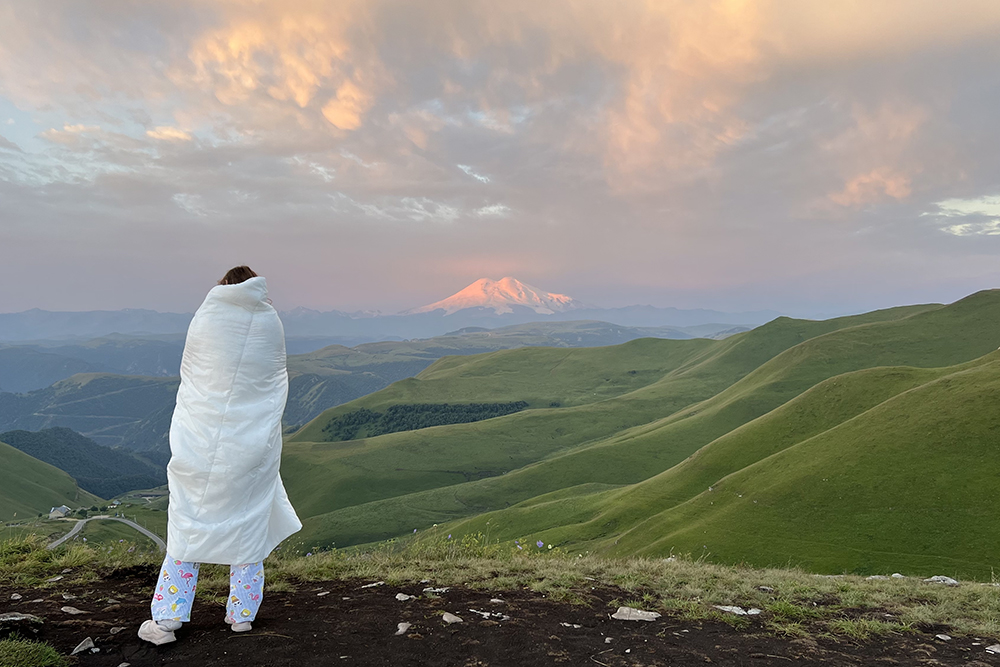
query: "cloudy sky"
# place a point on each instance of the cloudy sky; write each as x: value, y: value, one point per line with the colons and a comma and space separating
x: 807, y: 157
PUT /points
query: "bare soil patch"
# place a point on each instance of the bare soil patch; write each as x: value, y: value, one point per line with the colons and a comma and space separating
x: 341, y: 623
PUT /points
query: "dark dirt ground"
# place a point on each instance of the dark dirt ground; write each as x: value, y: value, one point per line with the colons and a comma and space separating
x: 351, y: 625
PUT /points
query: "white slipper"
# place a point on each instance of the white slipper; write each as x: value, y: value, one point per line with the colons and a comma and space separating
x: 242, y: 627
x: 152, y: 632
x: 170, y: 625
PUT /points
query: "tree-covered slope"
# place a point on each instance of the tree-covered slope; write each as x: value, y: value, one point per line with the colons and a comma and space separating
x: 103, y: 471
x: 29, y: 486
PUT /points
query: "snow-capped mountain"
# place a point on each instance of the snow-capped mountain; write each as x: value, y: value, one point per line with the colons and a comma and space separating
x: 501, y: 296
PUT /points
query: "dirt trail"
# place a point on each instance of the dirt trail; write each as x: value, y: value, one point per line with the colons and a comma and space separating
x: 341, y: 623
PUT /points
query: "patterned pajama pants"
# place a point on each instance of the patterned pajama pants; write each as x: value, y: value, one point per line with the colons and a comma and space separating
x: 175, y: 590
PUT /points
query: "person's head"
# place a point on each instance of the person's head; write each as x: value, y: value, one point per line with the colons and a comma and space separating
x: 237, y: 275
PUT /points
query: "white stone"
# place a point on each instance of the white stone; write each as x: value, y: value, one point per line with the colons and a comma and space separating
x: 117, y: 629
x: 403, y: 597
x: 497, y: 601
x: 897, y: 575
x: 15, y: 596
x: 993, y: 649
x: 319, y: 595
x: 54, y: 579
x: 571, y: 625
x: 944, y: 638
x: 83, y: 646
x: 450, y: 618
x: 73, y: 610
x: 443, y: 589
x: 739, y: 611
x: 765, y: 589
x: 938, y: 579
x: 877, y: 577
x: 377, y: 583
x: 632, y: 614
x: 608, y: 640
x: 402, y: 628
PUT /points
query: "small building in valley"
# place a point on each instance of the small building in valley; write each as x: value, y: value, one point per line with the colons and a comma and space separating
x: 59, y: 512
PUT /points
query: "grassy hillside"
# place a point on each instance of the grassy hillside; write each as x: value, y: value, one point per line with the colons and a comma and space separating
x: 100, y: 470
x: 897, y: 487
x: 29, y: 486
x: 392, y: 484
x: 883, y: 448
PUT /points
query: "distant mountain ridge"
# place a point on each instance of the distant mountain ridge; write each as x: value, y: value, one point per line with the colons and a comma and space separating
x: 485, y: 303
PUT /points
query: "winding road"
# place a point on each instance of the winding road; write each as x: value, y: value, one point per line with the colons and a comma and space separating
x: 79, y: 526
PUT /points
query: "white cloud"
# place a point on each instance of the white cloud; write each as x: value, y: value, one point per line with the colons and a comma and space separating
x: 976, y: 210
x: 952, y: 208
x: 168, y: 133
x: 354, y: 158
x: 479, y: 177
x: 493, y: 211
x: 193, y: 204
x: 10, y: 121
x: 988, y: 228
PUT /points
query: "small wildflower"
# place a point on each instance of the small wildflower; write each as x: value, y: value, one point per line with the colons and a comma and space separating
x: 414, y: 531
x: 449, y: 536
x: 309, y: 554
x: 540, y: 544
x: 550, y: 546
x: 520, y: 548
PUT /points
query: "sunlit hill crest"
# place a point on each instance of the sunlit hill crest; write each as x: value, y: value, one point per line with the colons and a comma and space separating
x: 502, y: 296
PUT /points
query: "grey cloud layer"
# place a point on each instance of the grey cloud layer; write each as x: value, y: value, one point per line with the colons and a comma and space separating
x: 810, y: 157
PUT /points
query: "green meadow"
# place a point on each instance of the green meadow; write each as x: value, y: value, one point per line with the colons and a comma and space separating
x: 861, y: 444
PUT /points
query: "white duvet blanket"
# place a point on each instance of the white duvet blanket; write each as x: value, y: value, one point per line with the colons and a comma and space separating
x: 227, y: 502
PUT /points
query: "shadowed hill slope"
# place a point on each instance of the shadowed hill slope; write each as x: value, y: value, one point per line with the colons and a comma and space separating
x: 29, y: 486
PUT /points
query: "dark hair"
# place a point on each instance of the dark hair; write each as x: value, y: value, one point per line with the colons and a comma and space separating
x: 237, y: 275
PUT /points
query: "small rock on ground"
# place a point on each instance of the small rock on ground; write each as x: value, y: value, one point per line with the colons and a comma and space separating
x: 739, y: 611
x: 403, y: 597
x: 402, y: 628
x: 450, y: 618
x: 73, y: 610
x: 632, y: 614
x: 83, y: 646
x: 938, y: 579
x: 12, y: 622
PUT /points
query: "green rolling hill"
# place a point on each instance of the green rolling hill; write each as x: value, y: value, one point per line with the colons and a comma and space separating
x: 29, y: 486
x: 133, y: 411
x: 624, y: 463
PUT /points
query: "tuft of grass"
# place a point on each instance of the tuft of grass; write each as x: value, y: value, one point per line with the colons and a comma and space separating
x: 24, y: 653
